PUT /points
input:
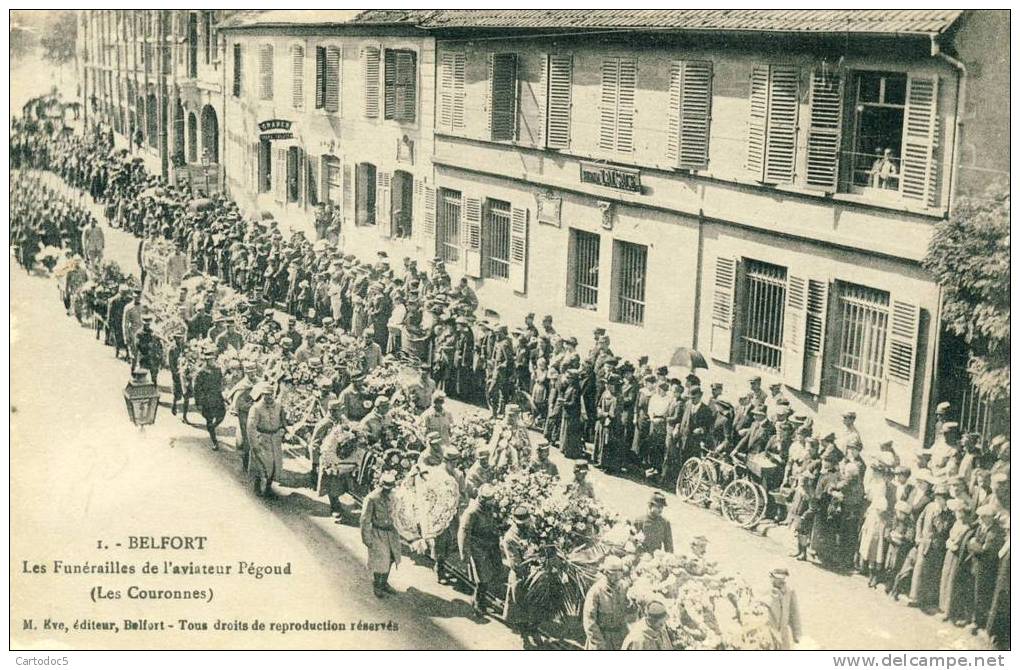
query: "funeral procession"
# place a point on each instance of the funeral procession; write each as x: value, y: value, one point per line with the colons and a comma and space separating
x: 510, y: 329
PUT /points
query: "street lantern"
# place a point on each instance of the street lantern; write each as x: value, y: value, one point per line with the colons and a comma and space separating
x: 141, y: 395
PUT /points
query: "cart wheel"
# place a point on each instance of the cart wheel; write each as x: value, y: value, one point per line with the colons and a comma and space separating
x: 693, y: 485
x: 743, y: 503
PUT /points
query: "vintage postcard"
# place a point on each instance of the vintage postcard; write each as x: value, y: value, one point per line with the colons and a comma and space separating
x: 510, y: 329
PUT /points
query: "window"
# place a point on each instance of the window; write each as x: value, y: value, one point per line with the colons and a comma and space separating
x: 503, y: 96
x: 585, y: 282
x: 616, y: 105
x: 879, y: 107
x: 327, y: 78
x: 192, y: 45
x: 297, y: 56
x: 630, y: 269
x: 365, y: 195
x: 496, y: 239
x: 402, y: 203
x: 451, y: 91
x: 266, y: 72
x: 238, y: 70
x: 763, y: 311
x: 400, y: 81
x: 207, y: 28
x: 772, y: 124
x: 370, y: 81
x: 448, y: 230
x: 265, y: 166
x: 332, y: 177
x: 293, y: 174
x: 690, y: 113
x: 863, y: 315
x: 557, y: 131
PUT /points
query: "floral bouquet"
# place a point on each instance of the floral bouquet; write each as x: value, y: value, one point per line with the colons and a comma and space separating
x: 403, y: 432
x: 466, y: 435
x: 340, y: 462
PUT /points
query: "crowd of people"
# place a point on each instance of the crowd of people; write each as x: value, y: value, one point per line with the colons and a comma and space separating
x: 934, y: 529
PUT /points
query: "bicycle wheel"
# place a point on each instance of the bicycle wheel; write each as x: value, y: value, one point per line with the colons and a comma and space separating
x: 692, y: 485
x: 742, y: 503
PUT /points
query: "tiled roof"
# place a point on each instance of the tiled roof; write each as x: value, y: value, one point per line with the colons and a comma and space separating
x: 906, y: 21
x: 290, y: 17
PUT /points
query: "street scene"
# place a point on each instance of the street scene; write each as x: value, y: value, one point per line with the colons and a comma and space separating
x: 433, y: 335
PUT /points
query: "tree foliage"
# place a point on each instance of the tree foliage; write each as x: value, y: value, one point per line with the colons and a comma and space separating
x: 969, y: 257
x: 59, y: 35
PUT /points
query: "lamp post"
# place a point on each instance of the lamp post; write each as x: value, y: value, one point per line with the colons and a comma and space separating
x: 141, y: 395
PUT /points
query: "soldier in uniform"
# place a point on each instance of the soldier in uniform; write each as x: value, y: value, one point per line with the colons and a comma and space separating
x: 605, y: 610
x: 208, y: 386
x: 480, y: 473
x: 513, y: 549
x: 379, y: 535
x: 658, y: 534
x: 436, y: 419
x: 445, y: 543
x: 580, y: 487
x: 353, y: 398
x: 148, y: 352
x: 649, y: 633
x: 541, y: 462
x: 784, y: 613
x: 478, y: 539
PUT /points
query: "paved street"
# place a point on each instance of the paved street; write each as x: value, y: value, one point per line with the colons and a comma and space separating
x: 117, y: 481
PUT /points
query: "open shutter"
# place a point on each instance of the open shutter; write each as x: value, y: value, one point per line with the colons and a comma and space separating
x: 503, y: 96
x: 459, y: 68
x: 825, y: 133
x: 518, y: 249
x: 266, y: 72
x: 406, y: 102
x: 794, y: 331
x: 917, y: 164
x: 676, y: 69
x: 297, y: 54
x: 389, y: 84
x: 757, y: 122
x: 320, y: 77
x: 348, y: 209
x: 784, y: 103
x: 370, y: 80
x: 473, y: 238
x: 332, y: 85
x: 559, y: 76
x: 445, y: 120
x: 900, y: 357
x: 723, y: 308
x: 814, y: 338
x: 280, y: 173
x: 607, y: 103
x: 382, y: 204
x: 238, y: 69
x: 428, y: 227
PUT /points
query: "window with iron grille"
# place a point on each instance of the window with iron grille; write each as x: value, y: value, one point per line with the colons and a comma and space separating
x: 585, y: 284
x: 448, y: 229
x: 496, y: 239
x: 764, y: 309
x: 400, y: 78
x: 863, y: 326
x: 631, y: 269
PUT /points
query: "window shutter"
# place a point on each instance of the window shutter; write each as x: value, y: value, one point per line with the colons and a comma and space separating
x: 723, y: 310
x: 389, y: 84
x: 607, y: 103
x: 382, y: 203
x: 625, y: 105
x: 518, y: 249
x: 266, y: 72
x: 794, y: 331
x: 825, y: 133
x: 332, y: 87
x: 560, y: 79
x: 280, y: 172
x: 348, y: 207
x: 428, y: 227
x: 320, y: 77
x: 503, y: 96
x: 917, y: 164
x: 370, y: 80
x: 784, y: 101
x: 757, y: 121
x: 900, y: 355
x: 690, y: 110
x: 473, y: 239
x: 459, y: 67
x: 814, y: 339
x: 297, y: 53
x: 445, y: 121
x: 406, y: 86
x: 238, y: 69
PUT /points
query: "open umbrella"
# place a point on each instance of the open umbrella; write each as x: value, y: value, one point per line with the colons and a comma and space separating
x: 688, y: 358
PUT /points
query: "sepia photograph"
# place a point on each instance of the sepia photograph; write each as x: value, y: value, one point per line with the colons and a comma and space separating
x: 511, y: 329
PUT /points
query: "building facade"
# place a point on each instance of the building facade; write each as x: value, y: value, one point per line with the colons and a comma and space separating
x: 762, y: 190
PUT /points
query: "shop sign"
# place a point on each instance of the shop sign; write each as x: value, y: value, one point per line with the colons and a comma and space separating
x: 275, y: 129
x: 624, y: 179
